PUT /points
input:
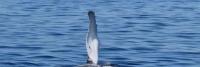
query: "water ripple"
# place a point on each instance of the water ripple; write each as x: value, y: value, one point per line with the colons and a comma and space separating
x: 132, y: 33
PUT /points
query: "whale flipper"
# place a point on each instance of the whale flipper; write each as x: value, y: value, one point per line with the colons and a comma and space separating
x: 92, y: 41
x: 89, y: 65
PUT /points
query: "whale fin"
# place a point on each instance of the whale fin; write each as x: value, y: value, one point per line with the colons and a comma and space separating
x: 92, y: 41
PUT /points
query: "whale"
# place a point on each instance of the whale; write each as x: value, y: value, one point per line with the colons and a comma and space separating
x: 92, y: 41
x: 92, y: 44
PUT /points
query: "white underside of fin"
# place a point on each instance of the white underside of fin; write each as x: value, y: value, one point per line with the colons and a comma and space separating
x: 92, y: 49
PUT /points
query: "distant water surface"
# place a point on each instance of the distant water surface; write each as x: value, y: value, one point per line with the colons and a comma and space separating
x: 146, y: 33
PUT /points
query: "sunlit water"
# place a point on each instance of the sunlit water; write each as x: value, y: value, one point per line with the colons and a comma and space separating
x: 146, y: 33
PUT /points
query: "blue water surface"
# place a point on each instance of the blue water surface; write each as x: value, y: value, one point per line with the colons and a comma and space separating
x: 133, y: 33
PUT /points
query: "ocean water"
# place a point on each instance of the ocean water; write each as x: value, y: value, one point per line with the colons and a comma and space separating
x: 143, y: 33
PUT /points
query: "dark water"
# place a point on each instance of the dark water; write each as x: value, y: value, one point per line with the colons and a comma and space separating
x: 146, y: 33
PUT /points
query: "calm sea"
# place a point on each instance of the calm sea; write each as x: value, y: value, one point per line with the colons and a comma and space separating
x: 133, y: 33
